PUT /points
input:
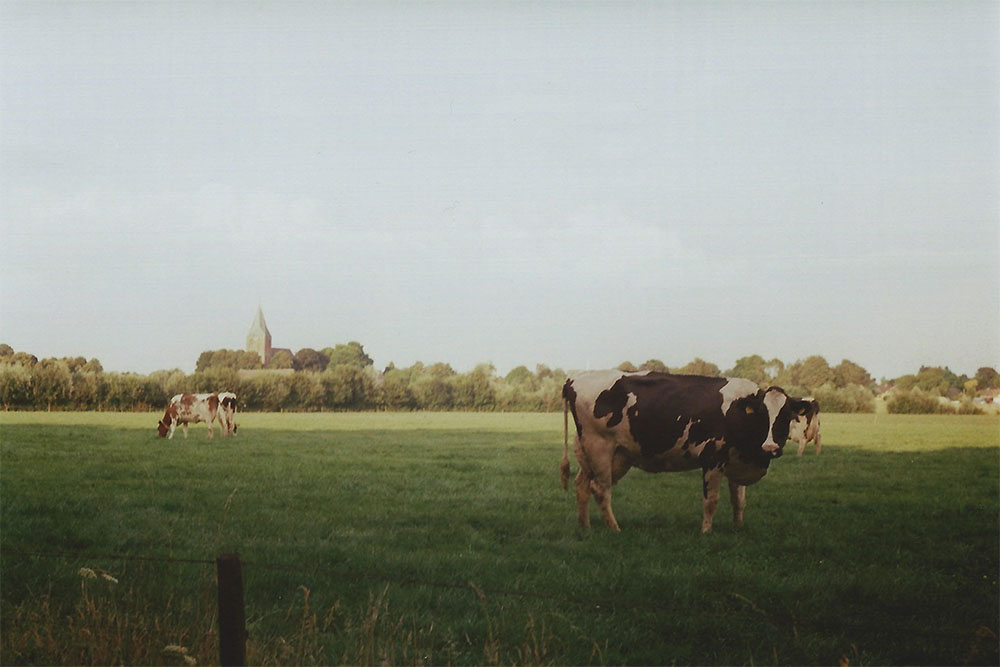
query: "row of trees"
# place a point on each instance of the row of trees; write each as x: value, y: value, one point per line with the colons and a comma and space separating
x: 306, y: 359
x: 848, y: 387
x: 343, y: 377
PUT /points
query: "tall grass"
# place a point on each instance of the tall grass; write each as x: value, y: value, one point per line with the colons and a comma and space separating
x: 881, y: 551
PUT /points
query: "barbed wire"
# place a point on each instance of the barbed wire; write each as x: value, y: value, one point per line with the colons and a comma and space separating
x: 334, y: 572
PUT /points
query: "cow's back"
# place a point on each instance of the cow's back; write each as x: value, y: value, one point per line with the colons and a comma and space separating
x: 666, y: 422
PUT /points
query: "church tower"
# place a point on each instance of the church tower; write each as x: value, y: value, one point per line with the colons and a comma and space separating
x: 259, y: 338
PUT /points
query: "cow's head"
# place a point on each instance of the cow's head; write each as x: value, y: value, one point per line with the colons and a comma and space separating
x: 759, y: 423
x: 163, y: 426
x: 782, y: 411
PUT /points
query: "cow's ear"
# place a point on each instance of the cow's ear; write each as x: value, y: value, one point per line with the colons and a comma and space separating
x: 802, y: 408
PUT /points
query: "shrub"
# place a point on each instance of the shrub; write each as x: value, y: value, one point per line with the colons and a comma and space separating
x: 852, y: 398
x: 915, y: 402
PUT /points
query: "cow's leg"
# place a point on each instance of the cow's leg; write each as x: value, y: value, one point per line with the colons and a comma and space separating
x: 738, y: 496
x: 184, y: 427
x: 802, y: 446
x: 711, y: 481
x: 610, y: 467
x: 173, y: 427
x: 603, y: 481
x: 600, y: 485
x: 211, y: 427
x: 582, y: 484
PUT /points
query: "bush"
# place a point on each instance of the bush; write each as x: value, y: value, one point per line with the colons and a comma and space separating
x: 852, y: 398
x: 915, y: 402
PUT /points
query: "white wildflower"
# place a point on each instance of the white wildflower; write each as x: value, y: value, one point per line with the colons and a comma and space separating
x: 181, y: 652
x: 108, y: 577
x: 87, y: 573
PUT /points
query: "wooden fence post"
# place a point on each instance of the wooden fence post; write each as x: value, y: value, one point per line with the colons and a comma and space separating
x: 232, y: 615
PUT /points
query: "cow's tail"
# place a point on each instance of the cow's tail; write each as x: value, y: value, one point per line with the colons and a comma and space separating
x: 564, y: 464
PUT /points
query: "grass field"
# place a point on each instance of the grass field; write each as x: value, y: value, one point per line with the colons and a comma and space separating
x: 446, y: 538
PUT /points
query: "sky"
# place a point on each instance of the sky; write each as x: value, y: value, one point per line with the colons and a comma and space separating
x: 574, y: 184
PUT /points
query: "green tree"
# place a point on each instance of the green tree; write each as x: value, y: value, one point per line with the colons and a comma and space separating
x: 15, y: 386
x: 5, y: 351
x: 988, y: 378
x: 937, y: 379
x: 351, y: 354
x: 914, y: 401
x: 234, y: 359
x: 395, y: 390
x: 86, y: 390
x: 92, y: 366
x: 847, y: 373
x: 432, y: 392
x: 24, y: 359
x: 282, y: 359
x: 346, y: 387
x: 122, y: 391
x: 700, y: 367
x: 274, y: 391
x: 51, y: 383
x: 654, y: 365
x: 750, y: 368
x: 627, y: 367
x: 474, y: 390
x: 304, y: 392
x: 522, y: 378
x: 308, y: 359
x: 439, y: 370
x: 811, y: 372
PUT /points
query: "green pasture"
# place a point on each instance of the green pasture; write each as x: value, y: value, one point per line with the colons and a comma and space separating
x: 446, y: 539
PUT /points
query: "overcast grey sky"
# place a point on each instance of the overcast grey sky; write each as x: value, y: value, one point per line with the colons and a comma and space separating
x: 574, y: 184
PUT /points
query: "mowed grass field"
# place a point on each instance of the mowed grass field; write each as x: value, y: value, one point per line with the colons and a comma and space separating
x: 447, y: 539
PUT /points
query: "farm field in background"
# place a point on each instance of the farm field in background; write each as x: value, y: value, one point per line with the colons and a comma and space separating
x: 446, y: 538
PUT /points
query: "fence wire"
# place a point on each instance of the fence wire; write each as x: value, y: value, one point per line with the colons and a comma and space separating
x: 594, y: 604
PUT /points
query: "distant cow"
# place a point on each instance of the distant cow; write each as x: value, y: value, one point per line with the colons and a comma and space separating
x: 664, y: 423
x: 227, y: 412
x: 186, y: 409
x: 806, y: 427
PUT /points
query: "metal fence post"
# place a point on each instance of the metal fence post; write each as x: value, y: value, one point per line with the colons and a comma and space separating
x: 232, y: 615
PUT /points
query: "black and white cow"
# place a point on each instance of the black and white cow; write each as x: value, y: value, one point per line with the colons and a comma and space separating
x: 806, y: 428
x: 665, y: 423
x: 227, y: 412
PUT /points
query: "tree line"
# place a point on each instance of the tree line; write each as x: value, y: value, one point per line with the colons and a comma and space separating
x: 343, y: 377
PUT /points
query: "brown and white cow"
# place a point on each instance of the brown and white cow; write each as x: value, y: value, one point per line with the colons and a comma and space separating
x: 227, y: 412
x: 187, y: 409
x: 660, y: 422
x: 806, y: 427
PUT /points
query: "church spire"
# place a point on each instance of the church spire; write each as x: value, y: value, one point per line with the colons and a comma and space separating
x: 259, y: 338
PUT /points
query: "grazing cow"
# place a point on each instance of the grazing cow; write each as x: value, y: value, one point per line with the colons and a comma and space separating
x: 227, y: 412
x: 664, y: 423
x: 806, y: 427
x: 187, y: 409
